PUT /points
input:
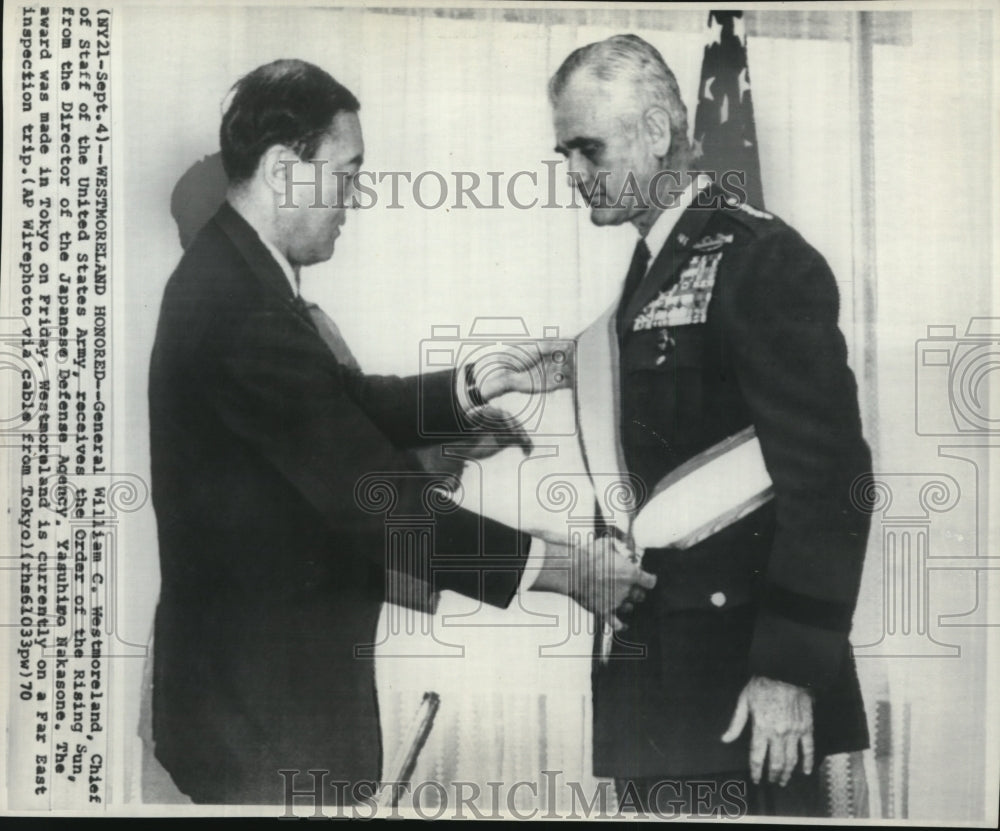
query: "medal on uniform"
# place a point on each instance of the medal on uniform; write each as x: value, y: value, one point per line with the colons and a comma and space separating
x: 686, y: 301
x: 712, y: 242
x: 665, y: 343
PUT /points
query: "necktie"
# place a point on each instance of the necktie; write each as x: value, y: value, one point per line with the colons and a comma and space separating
x: 330, y: 333
x: 636, y: 271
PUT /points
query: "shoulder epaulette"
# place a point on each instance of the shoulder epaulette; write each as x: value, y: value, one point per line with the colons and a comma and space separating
x: 755, y: 219
x: 756, y: 212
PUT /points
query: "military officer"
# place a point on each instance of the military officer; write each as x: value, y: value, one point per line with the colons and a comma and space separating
x: 736, y: 676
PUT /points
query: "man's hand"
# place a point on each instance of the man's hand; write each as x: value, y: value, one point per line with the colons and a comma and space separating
x: 782, y: 720
x: 492, y: 430
x: 546, y: 366
x: 599, y: 577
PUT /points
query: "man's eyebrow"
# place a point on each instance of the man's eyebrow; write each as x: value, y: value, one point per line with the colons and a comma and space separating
x: 577, y: 143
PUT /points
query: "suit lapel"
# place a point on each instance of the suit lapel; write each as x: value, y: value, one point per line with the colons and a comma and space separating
x: 665, y: 268
x: 262, y: 264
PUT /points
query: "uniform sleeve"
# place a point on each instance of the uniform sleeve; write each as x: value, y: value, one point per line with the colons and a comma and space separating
x: 791, y: 366
x: 282, y: 395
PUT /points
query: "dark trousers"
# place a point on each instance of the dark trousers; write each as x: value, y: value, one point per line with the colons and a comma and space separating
x: 720, y: 795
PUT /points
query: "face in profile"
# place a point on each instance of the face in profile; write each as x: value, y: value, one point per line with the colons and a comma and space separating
x: 321, y: 210
x: 611, y: 156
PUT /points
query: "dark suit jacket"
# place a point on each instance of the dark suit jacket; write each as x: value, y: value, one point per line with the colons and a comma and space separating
x: 773, y: 594
x: 272, y: 571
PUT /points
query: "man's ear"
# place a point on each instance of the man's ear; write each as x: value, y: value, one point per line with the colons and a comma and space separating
x: 277, y: 169
x: 655, y: 123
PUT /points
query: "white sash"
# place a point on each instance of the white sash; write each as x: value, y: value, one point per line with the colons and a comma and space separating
x: 697, y: 499
x: 701, y: 497
x: 598, y: 408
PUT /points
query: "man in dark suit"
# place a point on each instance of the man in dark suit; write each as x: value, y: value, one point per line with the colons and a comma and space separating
x: 273, y: 573
x: 738, y: 666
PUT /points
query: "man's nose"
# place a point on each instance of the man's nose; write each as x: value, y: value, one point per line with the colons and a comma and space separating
x: 579, y: 171
x: 577, y: 165
x: 343, y: 193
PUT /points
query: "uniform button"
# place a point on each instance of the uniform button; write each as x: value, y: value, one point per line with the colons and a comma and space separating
x: 718, y: 600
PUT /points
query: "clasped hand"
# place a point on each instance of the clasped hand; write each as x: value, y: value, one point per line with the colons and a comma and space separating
x: 599, y: 576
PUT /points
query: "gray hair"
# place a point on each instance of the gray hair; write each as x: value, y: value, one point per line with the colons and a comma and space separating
x: 630, y: 58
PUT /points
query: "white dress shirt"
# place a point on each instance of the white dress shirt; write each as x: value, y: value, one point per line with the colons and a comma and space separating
x: 286, y: 266
x: 656, y: 236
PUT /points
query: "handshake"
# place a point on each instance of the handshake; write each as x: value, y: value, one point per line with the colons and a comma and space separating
x: 601, y: 577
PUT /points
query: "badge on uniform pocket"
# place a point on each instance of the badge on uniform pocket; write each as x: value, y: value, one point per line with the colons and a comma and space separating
x: 686, y: 301
x: 665, y: 343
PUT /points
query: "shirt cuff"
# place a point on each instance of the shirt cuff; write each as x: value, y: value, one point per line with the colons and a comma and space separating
x: 534, y: 564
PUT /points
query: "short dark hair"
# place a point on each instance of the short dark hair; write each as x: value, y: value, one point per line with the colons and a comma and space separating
x: 288, y: 102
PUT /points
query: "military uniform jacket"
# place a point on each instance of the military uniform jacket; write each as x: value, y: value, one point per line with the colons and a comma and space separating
x: 273, y: 572
x: 735, y: 324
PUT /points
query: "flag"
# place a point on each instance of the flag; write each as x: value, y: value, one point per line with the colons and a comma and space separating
x: 724, y: 135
